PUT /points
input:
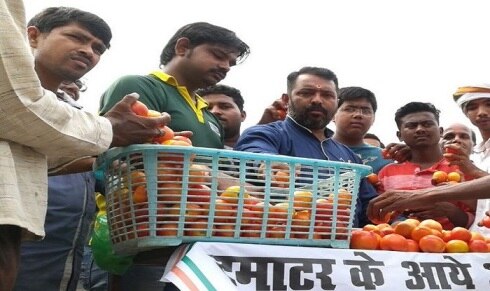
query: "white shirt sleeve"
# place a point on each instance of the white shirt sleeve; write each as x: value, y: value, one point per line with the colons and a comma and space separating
x: 32, y: 116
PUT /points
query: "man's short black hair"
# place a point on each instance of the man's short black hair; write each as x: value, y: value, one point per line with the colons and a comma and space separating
x: 204, y: 33
x: 413, y: 107
x: 316, y: 71
x: 54, y: 17
x: 229, y: 91
x: 356, y: 93
x: 373, y: 136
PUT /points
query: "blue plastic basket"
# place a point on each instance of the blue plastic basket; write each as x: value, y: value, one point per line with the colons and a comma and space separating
x: 159, y: 196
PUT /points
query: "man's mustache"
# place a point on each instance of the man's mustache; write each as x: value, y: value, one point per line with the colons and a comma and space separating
x: 317, y: 108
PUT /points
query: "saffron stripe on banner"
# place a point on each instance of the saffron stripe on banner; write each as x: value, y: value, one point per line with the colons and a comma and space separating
x: 198, y: 273
x: 185, y: 279
x: 175, y: 258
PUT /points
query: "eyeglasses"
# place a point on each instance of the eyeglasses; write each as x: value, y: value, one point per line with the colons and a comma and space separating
x: 79, y: 83
x: 362, y: 110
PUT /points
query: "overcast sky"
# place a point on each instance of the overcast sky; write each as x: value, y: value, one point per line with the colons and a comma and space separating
x: 401, y: 50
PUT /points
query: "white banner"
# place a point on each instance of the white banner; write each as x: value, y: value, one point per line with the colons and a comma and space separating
x: 226, y: 266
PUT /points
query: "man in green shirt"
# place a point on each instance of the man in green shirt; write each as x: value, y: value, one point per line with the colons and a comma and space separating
x: 199, y: 55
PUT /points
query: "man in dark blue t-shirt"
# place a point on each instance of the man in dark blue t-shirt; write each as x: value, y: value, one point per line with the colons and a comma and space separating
x: 312, y: 103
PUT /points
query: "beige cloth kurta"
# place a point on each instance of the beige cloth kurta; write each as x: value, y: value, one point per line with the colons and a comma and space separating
x: 35, y: 129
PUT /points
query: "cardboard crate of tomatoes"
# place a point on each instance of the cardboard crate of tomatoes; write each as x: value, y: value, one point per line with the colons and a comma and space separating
x: 165, y: 195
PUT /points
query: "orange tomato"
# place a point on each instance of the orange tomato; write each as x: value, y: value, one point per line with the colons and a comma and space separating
x: 168, y: 134
x: 454, y: 176
x: 393, y: 242
x: 486, y: 221
x: 139, y: 108
x: 199, y: 193
x: 385, y: 219
x: 224, y: 230
x: 196, y: 228
x: 199, y: 173
x: 224, y: 211
x: 364, y: 240
x: 478, y: 246
x: 419, y: 232
x: 182, y: 138
x: 193, y: 212
x: 405, y: 229
x: 167, y: 229
x: 153, y: 113
x: 276, y: 231
x: 373, y: 178
x: 282, y: 179
x: 460, y: 233
x: 136, y: 177
x: 413, y: 246
x: 439, y: 177
x: 432, y: 244
x: 302, y: 199
x: 139, y: 194
x: 176, y: 142
x: 431, y: 223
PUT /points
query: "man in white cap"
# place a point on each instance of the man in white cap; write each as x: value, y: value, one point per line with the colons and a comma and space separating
x: 475, y: 103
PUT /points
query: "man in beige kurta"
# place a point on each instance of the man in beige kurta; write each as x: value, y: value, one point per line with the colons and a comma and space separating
x: 38, y: 132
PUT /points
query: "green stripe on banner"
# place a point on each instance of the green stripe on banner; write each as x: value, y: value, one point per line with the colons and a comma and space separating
x: 198, y: 273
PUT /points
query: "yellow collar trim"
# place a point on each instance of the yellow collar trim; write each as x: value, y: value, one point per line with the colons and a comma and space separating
x: 196, y: 106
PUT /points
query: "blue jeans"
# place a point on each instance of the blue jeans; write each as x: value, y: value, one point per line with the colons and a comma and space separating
x: 143, y: 277
x: 54, y: 263
x: 92, y: 277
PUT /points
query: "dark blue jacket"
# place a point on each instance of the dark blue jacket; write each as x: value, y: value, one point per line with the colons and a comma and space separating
x: 291, y: 139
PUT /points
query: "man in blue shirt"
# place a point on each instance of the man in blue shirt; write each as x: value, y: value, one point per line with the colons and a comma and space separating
x: 312, y: 102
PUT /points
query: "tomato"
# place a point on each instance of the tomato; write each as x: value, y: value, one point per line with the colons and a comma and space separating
x: 486, y: 221
x: 176, y: 142
x: 386, y: 154
x: 168, y: 134
x: 139, y: 108
x: 153, y: 113
x: 451, y: 151
x: 373, y: 178
x: 281, y: 114
x: 183, y: 138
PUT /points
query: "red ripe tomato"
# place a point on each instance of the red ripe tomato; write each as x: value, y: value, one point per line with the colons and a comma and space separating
x: 451, y: 151
x: 139, y: 108
x: 386, y: 154
x: 281, y: 114
x: 486, y: 221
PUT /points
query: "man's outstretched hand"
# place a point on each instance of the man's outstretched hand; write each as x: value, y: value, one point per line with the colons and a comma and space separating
x: 396, y: 201
x: 276, y: 111
x: 129, y: 128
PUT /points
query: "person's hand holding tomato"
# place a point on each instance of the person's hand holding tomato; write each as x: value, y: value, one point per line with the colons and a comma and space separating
x: 128, y: 127
x: 457, y: 155
x: 399, y: 152
x: 276, y: 111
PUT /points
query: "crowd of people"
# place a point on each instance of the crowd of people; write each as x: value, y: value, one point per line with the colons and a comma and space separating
x: 48, y: 143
